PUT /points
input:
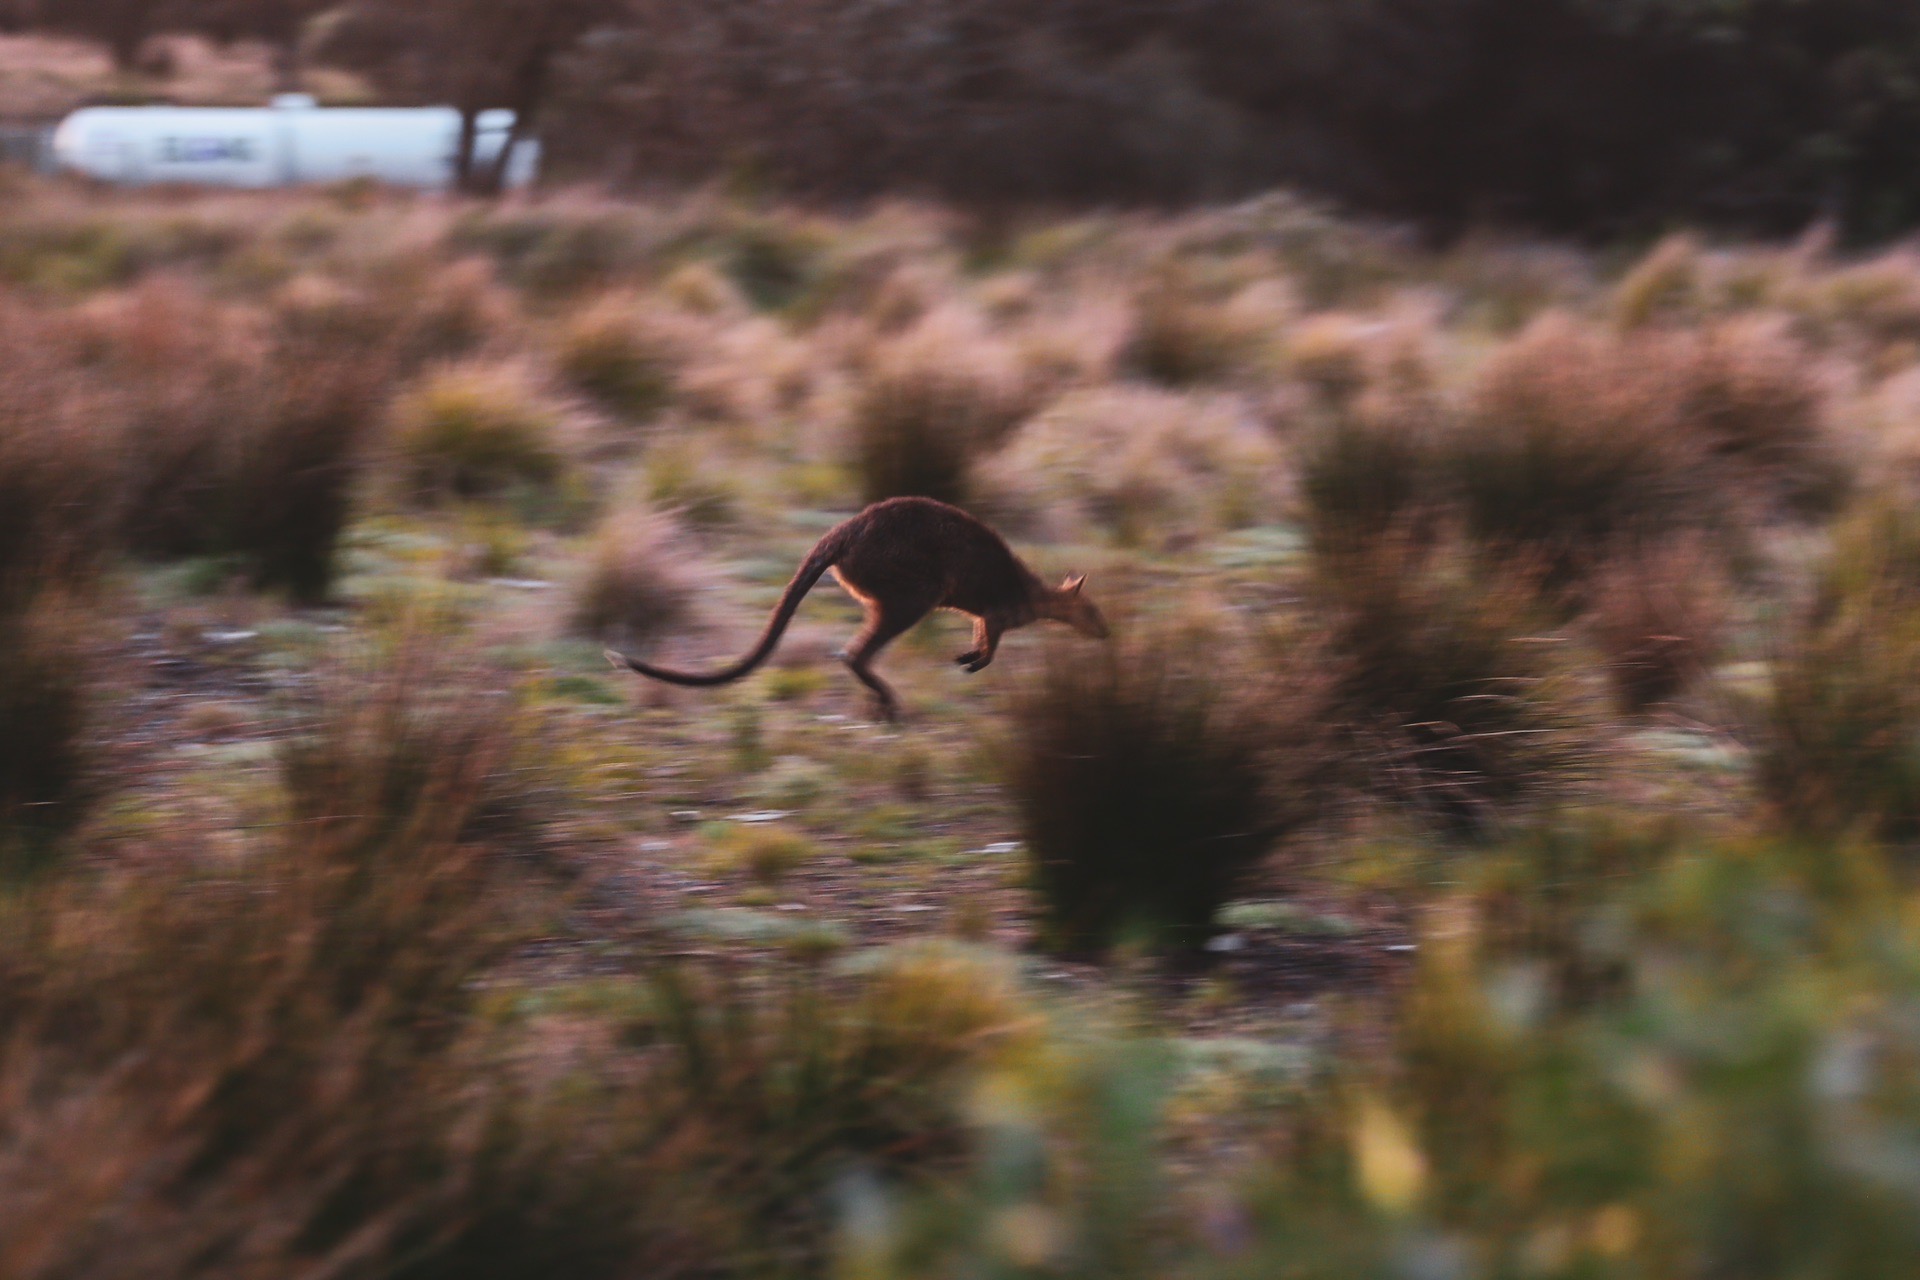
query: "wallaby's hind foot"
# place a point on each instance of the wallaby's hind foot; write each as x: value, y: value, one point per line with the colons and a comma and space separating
x: 972, y: 660
x: 886, y: 707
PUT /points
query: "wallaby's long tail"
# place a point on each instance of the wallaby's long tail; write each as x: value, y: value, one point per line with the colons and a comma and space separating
x: 818, y: 561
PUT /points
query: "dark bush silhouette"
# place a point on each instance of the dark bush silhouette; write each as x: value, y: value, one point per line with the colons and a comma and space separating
x: 1148, y: 787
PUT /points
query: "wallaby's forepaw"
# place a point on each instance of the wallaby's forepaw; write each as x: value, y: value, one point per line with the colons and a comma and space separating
x: 619, y: 660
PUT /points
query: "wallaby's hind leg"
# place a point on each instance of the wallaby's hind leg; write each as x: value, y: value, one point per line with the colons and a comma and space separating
x: 884, y: 626
x: 986, y: 642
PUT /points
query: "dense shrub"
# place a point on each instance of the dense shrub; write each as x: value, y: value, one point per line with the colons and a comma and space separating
x: 1149, y: 785
x: 1558, y: 113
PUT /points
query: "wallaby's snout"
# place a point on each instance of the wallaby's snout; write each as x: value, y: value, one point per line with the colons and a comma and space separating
x: 1082, y: 614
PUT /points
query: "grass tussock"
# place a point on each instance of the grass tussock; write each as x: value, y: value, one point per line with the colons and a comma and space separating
x: 1758, y: 401
x: 1459, y: 699
x: 1181, y: 338
x: 220, y: 431
x: 1660, y: 618
x: 1574, y: 449
x: 53, y: 460
x: 1370, y: 471
x: 638, y: 584
x: 929, y: 404
x: 1837, y: 735
x: 1147, y: 790
x: 478, y: 430
x: 620, y: 358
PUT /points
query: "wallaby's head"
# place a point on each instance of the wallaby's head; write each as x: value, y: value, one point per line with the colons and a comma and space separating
x: 1073, y: 608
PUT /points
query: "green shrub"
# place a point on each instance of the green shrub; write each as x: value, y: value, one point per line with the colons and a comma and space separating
x: 1727, y: 1084
x: 769, y: 1092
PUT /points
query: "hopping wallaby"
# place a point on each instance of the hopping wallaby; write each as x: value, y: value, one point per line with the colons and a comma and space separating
x: 902, y: 559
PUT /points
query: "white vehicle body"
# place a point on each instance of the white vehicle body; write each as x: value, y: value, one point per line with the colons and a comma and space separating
x: 287, y: 144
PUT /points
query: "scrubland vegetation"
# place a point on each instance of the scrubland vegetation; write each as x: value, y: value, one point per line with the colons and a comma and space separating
x: 1485, y: 847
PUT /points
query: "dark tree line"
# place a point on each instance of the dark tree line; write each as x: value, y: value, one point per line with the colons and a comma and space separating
x: 1595, y: 116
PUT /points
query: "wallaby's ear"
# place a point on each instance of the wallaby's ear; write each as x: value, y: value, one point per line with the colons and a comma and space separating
x: 1074, y: 582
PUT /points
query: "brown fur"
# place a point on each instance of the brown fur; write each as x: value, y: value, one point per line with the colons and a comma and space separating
x: 902, y: 559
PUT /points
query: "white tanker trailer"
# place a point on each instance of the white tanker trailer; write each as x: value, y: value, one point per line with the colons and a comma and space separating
x: 291, y: 142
